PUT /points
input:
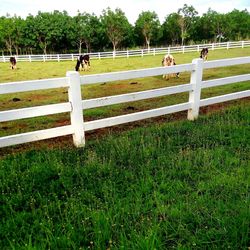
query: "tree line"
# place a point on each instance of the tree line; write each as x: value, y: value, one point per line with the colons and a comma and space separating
x: 58, y: 32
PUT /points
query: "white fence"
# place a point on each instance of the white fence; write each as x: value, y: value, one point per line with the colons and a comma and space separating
x: 128, y: 53
x: 73, y: 82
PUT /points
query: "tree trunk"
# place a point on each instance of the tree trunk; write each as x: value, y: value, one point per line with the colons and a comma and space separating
x: 114, y: 46
x: 16, y: 48
x: 9, y: 46
x: 87, y: 47
x: 182, y: 36
x: 148, y: 44
x: 80, y: 48
x: 45, y: 48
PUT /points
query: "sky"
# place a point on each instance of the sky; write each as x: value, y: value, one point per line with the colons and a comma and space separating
x: 131, y: 8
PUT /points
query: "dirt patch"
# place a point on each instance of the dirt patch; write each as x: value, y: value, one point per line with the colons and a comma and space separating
x: 131, y: 108
x: 15, y: 99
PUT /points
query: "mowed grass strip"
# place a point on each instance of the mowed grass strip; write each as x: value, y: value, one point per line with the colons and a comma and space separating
x: 42, y: 70
x: 181, y: 185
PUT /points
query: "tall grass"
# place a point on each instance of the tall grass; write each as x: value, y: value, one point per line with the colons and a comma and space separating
x: 182, y: 185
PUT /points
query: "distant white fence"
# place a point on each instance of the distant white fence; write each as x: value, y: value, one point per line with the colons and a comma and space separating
x: 73, y: 82
x: 128, y: 53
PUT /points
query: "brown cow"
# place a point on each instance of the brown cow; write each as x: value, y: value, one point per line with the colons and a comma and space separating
x: 204, y: 53
x: 13, y: 62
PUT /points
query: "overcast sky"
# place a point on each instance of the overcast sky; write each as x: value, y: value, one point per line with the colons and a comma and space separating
x: 132, y: 8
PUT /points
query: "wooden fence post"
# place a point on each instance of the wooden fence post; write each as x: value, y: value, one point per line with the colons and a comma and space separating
x: 195, y: 93
x: 76, y: 115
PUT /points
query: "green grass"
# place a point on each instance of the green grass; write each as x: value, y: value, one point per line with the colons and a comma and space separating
x: 171, y: 185
x: 179, y: 185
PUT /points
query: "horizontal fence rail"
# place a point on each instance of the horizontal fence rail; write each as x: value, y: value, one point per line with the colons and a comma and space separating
x: 131, y: 97
x: 108, y: 122
x: 224, y: 98
x: 226, y: 62
x: 35, y: 111
x: 36, y: 136
x: 14, y: 87
x: 73, y: 82
x: 128, y: 53
x: 132, y: 74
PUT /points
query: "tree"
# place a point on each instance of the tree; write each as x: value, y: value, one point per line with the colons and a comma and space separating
x: 239, y: 24
x: 58, y: 31
x: 8, y: 33
x: 87, y: 29
x: 186, y: 18
x: 18, y: 35
x: 51, y: 30
x: 148, y: 25
x: 219, y: 27
x: 2, y: 26
x: 42, y: 30
x: 203, y: 30
x: 116, y: 25
x: 30, y: 35
x: 171, y: 31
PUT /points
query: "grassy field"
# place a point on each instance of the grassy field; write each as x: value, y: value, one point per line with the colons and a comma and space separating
x: 41, y: 70
x: 179, y: 185
x: 163, y: 183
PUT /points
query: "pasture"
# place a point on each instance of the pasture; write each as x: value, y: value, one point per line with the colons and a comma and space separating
x: 161, y: 183
x: 41, y: 70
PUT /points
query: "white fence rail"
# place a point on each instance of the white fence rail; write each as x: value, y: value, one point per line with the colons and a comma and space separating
x: 73, y: 82
x: 128, y: 53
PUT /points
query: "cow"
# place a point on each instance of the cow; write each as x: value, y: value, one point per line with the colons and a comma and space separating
x: 168, y: 60
x: 204, y: 53
x: 83, y: 61
x: 13, y: 62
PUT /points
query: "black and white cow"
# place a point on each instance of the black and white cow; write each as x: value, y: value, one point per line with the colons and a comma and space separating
x: 83, y: 61
x: 13, y: 62
x: 204, y: 53
x: 168, y: 60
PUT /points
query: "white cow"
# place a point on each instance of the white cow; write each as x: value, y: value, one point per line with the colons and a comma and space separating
x: 168, y: 60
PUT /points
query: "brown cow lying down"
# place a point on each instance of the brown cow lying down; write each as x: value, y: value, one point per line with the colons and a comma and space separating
x: 168, y: 60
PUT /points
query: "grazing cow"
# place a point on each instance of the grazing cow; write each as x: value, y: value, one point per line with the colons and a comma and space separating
x: 13, y: 62
x: 204, y: 53
x: 84, y: 62
x: 168, y: 60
